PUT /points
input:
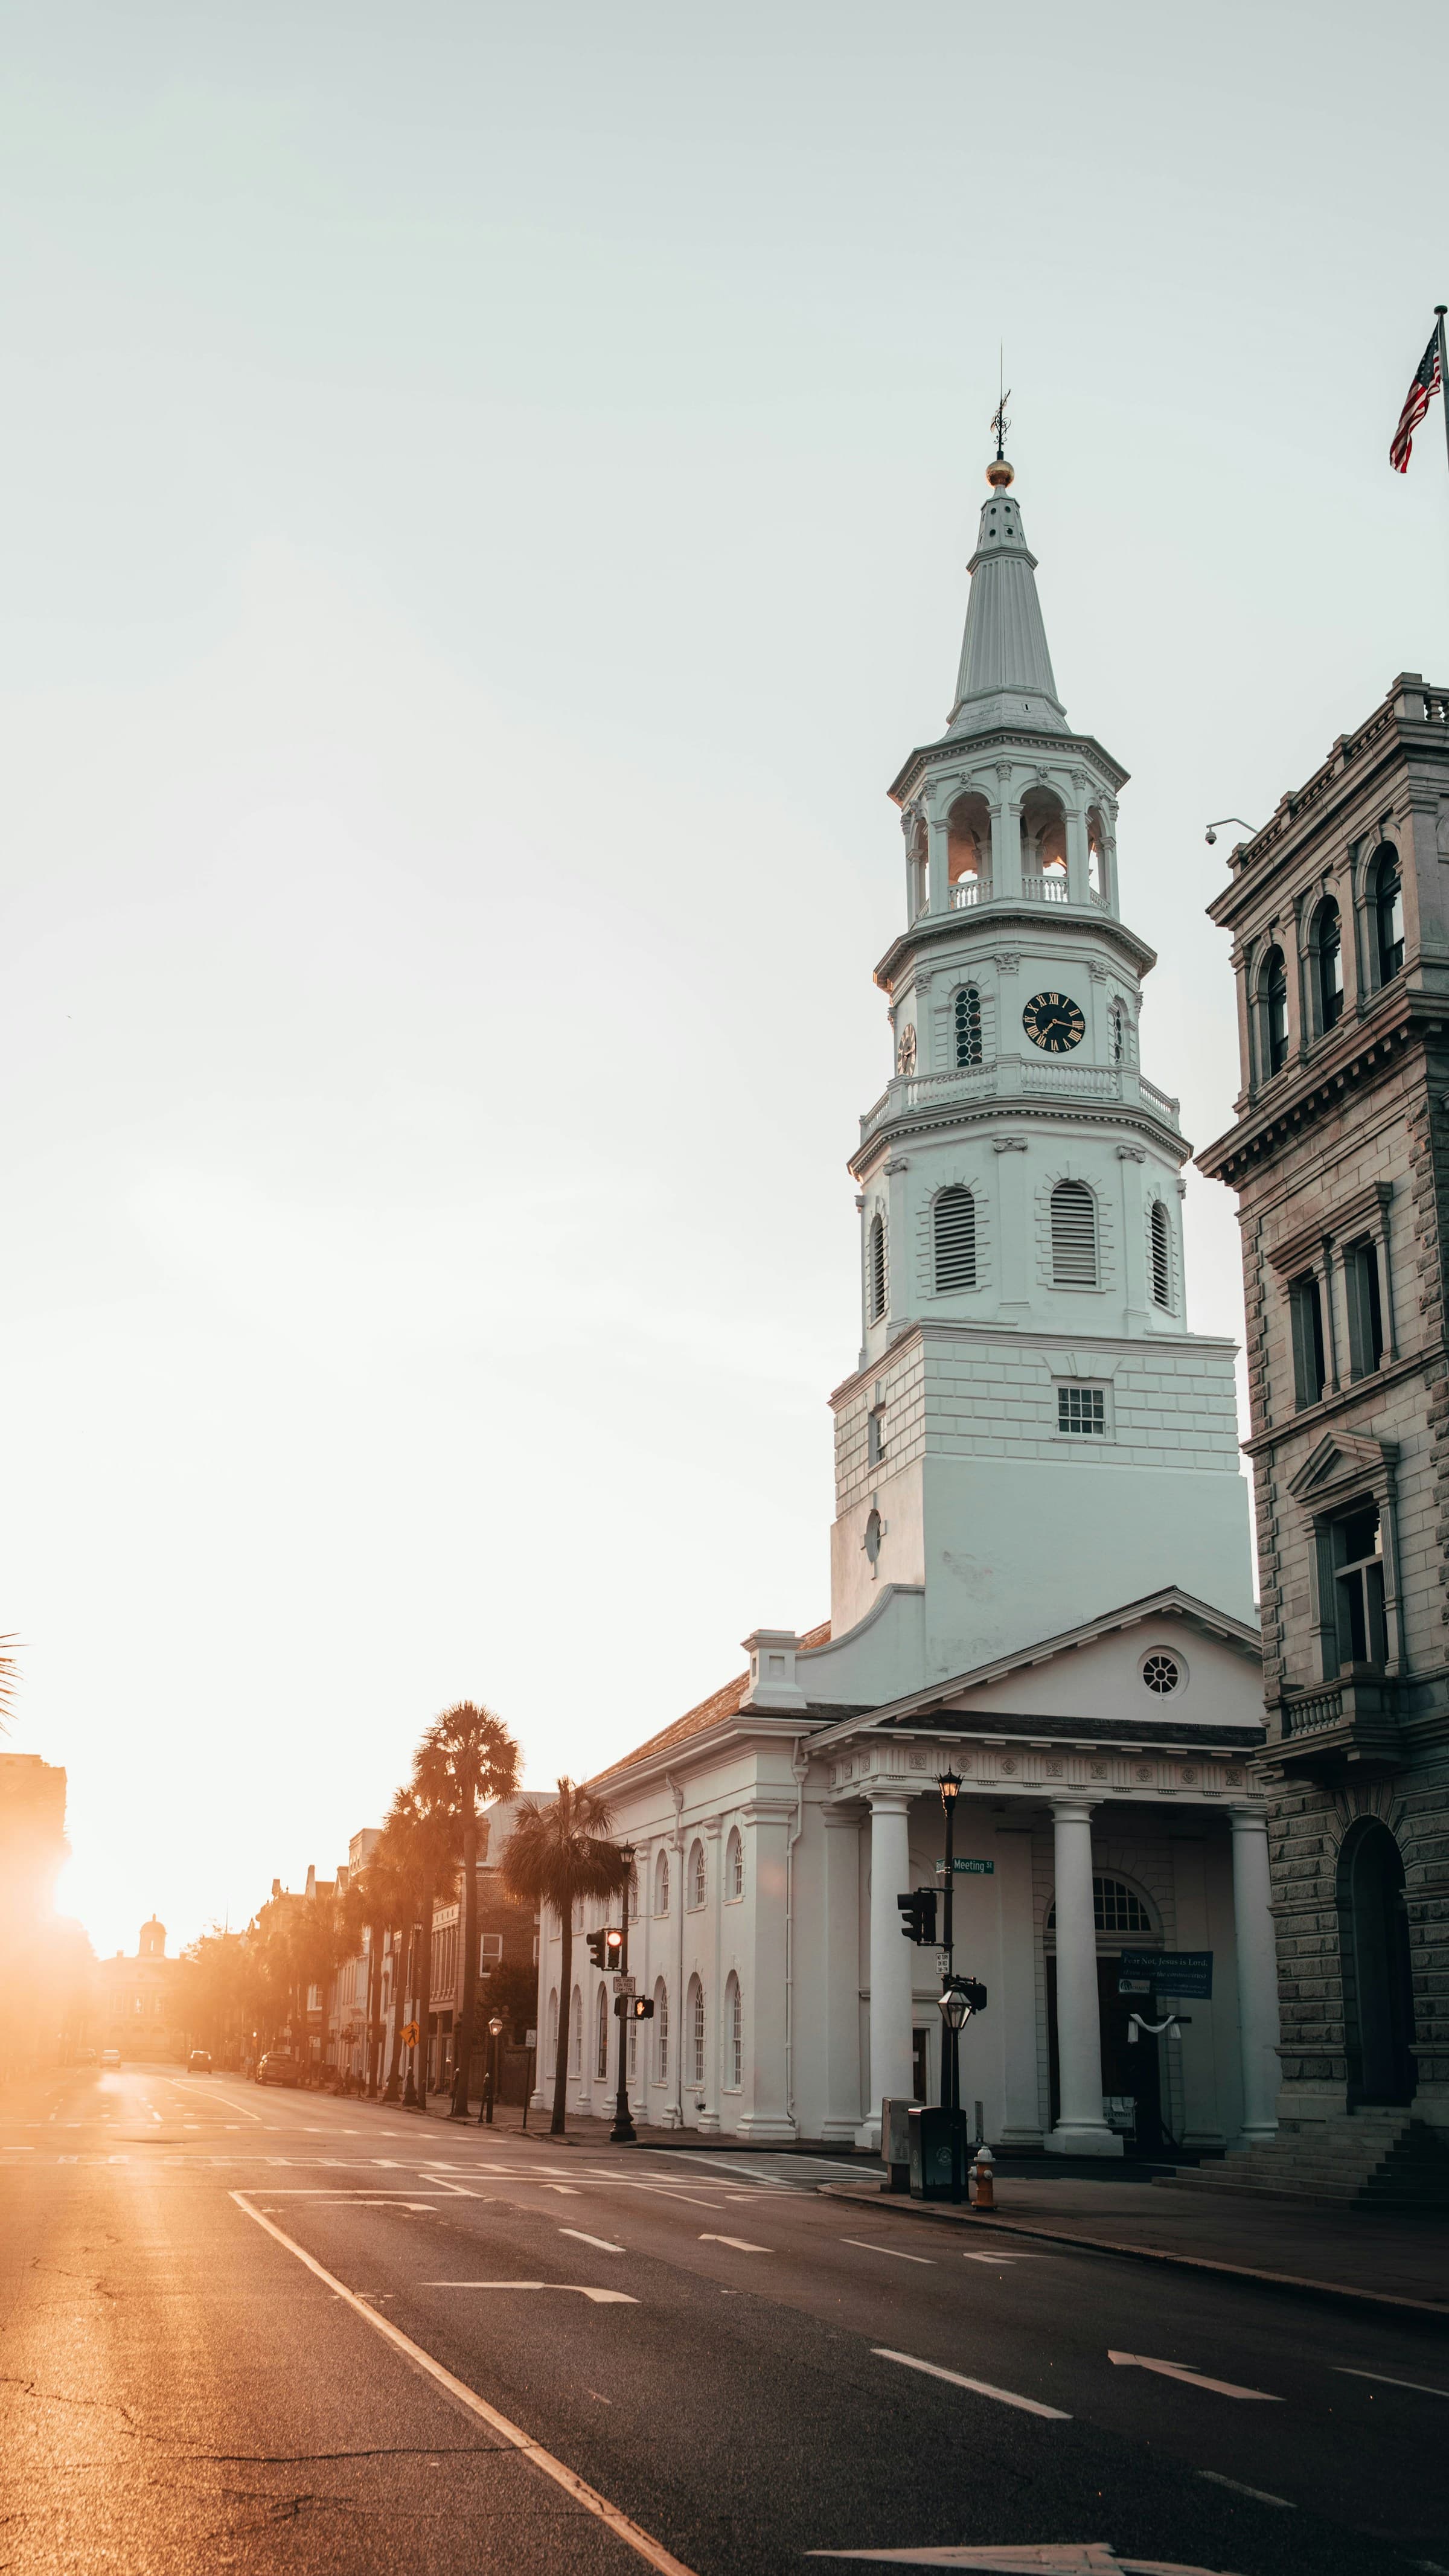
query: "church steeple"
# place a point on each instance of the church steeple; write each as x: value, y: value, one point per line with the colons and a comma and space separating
x: 1006, y: 670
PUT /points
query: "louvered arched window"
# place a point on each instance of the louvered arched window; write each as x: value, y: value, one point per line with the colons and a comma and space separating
x: 661, y: 2033
x: 576, y: 2033
x: 1161, y: 1256
x: 734, y: 2035
x: 968, y: 1025
x: 875, y: 1270
x: 734, y: 1867
x: 697, y: 1882
x: 696, y: 2031
x: 954, y: 1223
x: 1074, y: 1236
x: 601, y: 2033
x: 661, y: 1884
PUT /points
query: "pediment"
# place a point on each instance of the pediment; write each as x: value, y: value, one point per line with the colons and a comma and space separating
x: 1342, y: 1460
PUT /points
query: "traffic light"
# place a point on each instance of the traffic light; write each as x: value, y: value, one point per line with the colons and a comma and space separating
x: 918, y: 1908
x: 599, y: 1948
x: 634, y: 2007
x: 613, y: 1944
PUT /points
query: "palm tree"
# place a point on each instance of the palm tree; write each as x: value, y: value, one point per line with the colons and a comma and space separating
x: 554, y: 1856
x: 425, y: 1840
x: 466, y: 1757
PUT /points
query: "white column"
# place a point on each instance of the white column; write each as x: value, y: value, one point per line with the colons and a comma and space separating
x: 1257, y: 1974
x: 938, y: 890
x: 709, y: 1970
x: 1081, y: 2129
x: 891, y: 1958
x: 841, y: 1970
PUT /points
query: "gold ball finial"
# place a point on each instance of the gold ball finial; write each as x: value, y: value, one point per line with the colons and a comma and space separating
x: 999, y: 474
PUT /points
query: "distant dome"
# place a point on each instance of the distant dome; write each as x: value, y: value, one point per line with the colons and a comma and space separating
x: 153, y: 1940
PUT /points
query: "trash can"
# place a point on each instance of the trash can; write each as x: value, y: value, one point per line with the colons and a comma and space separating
x: 940, y: 2153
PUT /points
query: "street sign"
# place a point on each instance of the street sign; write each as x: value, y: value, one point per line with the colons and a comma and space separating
x: 968, y: 1868
x: 410, y: 2034
x: 1166, y: 1972
x: 530, y: 2039
x: 623, y: 1985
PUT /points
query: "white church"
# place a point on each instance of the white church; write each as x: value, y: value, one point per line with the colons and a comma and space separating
x: 1040, y: 1574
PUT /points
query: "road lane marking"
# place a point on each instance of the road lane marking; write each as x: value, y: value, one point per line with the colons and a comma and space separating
x: 1259, y: 2495
x: 893, y: 2250
x: 634, y: 2537
x: 601, y: 2241
x: 998, y: 2258
x: 573, y: 2289
x: 1192, y: 2378
x: 740, y: 2244
x: 1422, y: 2386
x: 979, y: 2387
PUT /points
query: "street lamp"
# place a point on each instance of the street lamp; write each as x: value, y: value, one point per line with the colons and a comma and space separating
x: 495, y: 2033
x: 954, y: 2008
x: 949, y: 1783
x: 623, y: 2133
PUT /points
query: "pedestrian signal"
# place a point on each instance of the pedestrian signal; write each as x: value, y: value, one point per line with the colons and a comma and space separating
x: 634, y: 2007
x: 918, y: 1910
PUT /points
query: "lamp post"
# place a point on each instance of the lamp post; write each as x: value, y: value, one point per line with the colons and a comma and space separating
x: 495, y: 2033
x: 949, y: 1784
x: 623, y: 2132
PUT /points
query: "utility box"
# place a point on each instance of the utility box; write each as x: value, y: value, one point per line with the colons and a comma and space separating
x: 940, y: 2153
x: 895, y: 2142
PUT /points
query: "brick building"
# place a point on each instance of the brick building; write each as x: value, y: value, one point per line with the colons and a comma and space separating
x: 1339, y: 1153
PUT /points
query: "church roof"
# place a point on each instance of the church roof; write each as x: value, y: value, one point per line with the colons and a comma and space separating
x: 723, y: 1703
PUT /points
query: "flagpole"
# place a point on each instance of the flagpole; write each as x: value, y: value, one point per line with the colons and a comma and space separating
x: 1440, y: 310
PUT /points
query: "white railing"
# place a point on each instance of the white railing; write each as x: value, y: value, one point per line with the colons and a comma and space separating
x: 965, y: 892
x: 1015, y: 1077
x: 1045, y: 889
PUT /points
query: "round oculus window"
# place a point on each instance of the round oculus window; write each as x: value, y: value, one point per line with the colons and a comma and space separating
x: 1161, y: 1673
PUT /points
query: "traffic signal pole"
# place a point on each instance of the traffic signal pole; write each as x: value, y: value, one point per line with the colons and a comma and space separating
x: 950, y: 2054
x: 623, y: 2133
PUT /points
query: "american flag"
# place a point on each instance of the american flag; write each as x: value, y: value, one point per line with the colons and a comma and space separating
x: 1428, y: 381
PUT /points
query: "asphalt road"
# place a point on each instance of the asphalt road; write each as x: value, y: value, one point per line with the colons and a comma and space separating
x: 267, y: 2330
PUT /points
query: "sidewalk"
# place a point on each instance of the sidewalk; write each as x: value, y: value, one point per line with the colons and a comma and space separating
x: 1390, y: 2260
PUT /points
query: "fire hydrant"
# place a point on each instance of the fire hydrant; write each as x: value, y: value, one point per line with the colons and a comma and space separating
x: 983, y: 2194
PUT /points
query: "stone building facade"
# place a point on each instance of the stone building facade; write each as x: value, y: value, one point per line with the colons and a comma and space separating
x: 1339, y: 1153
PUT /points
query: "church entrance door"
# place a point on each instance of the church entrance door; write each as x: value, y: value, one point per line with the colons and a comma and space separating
x: 1126, y: 2068
x: 1378, y: 1995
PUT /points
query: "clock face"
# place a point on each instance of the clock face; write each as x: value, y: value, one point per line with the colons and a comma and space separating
x: 1053, y: 1022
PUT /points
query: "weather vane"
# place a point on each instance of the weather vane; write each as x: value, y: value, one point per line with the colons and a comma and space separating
x: 999, y: 422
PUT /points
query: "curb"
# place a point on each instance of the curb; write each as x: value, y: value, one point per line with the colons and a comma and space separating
x: 1336, y: 2293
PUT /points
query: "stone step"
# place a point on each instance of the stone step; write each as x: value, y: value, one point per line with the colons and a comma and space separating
x: 1387, y: 2160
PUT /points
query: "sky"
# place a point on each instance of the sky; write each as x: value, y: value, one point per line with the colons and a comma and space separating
x: 484, y: 504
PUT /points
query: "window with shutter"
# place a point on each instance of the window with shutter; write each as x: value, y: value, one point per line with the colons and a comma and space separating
x: 954, y: 1219
x: 968, y: 1026
x: 875, y: 1286
x: 1161, y: 1256
x: 1074, y: 1236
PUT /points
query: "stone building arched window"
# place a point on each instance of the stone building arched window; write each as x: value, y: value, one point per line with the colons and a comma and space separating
x: 1272, y: 1013
x: 1386, y: 881
x: 1327, y: 949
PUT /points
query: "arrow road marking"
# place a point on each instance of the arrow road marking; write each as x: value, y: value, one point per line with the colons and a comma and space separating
x: 979, y: 2387
x: 601, y: 2241
x: 1193, y: 2378
x: 741, y: 2244
x: 578, y: 2289
x: 893, y: 2250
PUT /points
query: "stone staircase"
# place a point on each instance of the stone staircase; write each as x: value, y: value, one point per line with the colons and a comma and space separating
x: 1371, y: 2159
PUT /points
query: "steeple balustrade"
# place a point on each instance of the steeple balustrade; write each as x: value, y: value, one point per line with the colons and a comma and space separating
x: 1017, y: 1077
x: 968, y: 892
x: 965, y: 892
x: 1045, y: 889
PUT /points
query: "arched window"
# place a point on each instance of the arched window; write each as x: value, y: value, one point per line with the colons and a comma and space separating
x: 601, y: 2033
x: 968, y: 848
x: 1074, y: 1236
x: 954, y: 1223
x: 1273, y: 990
x: 875, y: 1270
x: 1388, y: 910
x: 1115, y: 1909
x: 1096, y: 854
x: 698, y: 1886
x: 576, y: 2033
x: 694, y: 2028
x: 661, y: 1884
x: 1328, y: 965
x: 661, y: 2033
x: 734, y: 2035
x: 552, y: 2029
x: 633, y: 1891
x: 734, y: 1867
x: 632, y: 2028
x: 1161, y: 1255
x: 968, y: 1026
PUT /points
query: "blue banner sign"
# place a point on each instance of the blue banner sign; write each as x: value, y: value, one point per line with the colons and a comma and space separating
x: 968, y: 1868
x: 1166, y: 1972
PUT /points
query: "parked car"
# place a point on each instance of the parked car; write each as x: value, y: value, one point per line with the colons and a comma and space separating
x: 277, y: 2068
x: 110, y: 2057
x: 199, y: 2062
x: 85, y: 2057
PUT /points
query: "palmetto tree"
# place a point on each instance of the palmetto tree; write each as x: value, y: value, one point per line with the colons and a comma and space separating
x: 426, y: 1843
x: 466, y: 1758
x: 554, y: 1856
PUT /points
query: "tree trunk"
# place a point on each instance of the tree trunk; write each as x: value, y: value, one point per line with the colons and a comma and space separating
x: 463, y: 2032
x: 392, y: 2090
x: 561, y: 2059
x: 374, y: 2008
x: 425, y: 2001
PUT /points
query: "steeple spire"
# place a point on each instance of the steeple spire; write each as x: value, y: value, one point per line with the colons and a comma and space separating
x: 1006, y: 670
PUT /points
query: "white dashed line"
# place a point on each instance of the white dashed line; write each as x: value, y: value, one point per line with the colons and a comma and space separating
x: 1259, y: 2495
x: 602, y: 2242
x: 893, y: 2250
x: 978, y: 2387
x: 1421, y: 2386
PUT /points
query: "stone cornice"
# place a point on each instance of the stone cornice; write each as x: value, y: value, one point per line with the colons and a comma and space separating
x: 1044, y: 1111
x: 1359, y: 1391
x: 1288, y: 1107
x: 1033, y: 742
x: 1013, y: 916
